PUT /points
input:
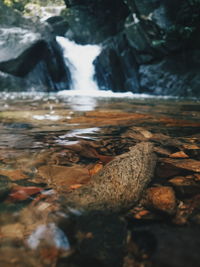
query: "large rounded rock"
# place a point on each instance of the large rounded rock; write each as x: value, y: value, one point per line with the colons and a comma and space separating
x: 28, y: 47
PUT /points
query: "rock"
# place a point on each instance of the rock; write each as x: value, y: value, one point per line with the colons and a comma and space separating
x: 93, y: 22
x: 147, y: 46
x: 119, y: 185
x: 171, y: 76
x: 162, y: 199
x: 59, y: 25
x: 29, y: 54
x: 116, y: 67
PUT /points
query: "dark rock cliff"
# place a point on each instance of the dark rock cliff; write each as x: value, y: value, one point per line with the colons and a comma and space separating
x: 29, y: 55
x: 149, y: 46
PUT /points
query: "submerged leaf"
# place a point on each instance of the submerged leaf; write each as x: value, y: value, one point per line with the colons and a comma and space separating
x: 20, y: 193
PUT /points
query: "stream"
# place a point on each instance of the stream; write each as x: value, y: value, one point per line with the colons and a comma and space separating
x: 54, y: 143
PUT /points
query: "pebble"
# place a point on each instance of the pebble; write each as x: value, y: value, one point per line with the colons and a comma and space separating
x: 162, y: 198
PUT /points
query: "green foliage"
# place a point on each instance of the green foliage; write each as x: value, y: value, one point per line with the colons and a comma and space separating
x: 20, y: 4
x: 16, y: 4
x: 185, y: 28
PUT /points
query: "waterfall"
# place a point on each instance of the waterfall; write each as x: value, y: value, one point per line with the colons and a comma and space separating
x: 79, y: 59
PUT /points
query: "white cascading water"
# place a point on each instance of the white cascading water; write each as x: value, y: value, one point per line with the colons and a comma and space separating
x: 80, y: 60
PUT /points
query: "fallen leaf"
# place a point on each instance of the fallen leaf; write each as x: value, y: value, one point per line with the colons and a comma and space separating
x: 14, y: 175
x: 197, y: 176
x: 15, y: 230
x: 179, y: 154
x: 186, y: 164
x: 191, y: 146
x: 141, y: 214
x: 95, y: 169
x: 105, y: 159
x: 162, y: 151
x: 20, y: 193
x: 75, y: 186
x: 181, y: 180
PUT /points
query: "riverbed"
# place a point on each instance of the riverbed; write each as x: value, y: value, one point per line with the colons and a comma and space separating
x: 54, y: 143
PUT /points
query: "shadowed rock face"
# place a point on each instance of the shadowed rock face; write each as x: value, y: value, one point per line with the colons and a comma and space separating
x: 145, y: 42
x: 94, y: 21
x: 119, y: 185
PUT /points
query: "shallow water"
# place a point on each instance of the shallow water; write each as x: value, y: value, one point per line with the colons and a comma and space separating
x: 43, y: 135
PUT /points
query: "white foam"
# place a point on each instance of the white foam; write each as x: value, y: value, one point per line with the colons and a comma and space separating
x: 47, y: 117
x: 79, y: 59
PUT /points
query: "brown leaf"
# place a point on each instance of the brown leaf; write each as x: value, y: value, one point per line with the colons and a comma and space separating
x: 105, y: 159
x: 84, y: 149
x: 15, y: 230
x: 181, y: 180
x: 14, y: 175
x: 197, y: 176
x: 190, y: 146
x: 186, y: 164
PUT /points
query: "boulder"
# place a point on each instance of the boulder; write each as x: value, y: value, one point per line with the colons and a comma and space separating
x: 116, y: 66
x: 94, y: 21
x: 174, y: 75
x: 29, y: 52
x: 59, y: 25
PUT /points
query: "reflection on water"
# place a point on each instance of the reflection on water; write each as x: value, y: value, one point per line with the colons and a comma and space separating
x: 83, y: 103
x: 52, y: 143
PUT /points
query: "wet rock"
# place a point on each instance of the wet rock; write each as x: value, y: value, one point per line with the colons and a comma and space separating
x: 171, y: 76
x: 116, y: 67
x: 29, y: 49
x: 119, y: 184
x: 59, y: 25
x: 162, y: 199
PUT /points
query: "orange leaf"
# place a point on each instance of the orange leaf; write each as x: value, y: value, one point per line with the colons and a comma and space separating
x: 95, y: 169
x: 105, y: 159
x: 179, y: 154
x: 75, y: 186
x: 20, y: 193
